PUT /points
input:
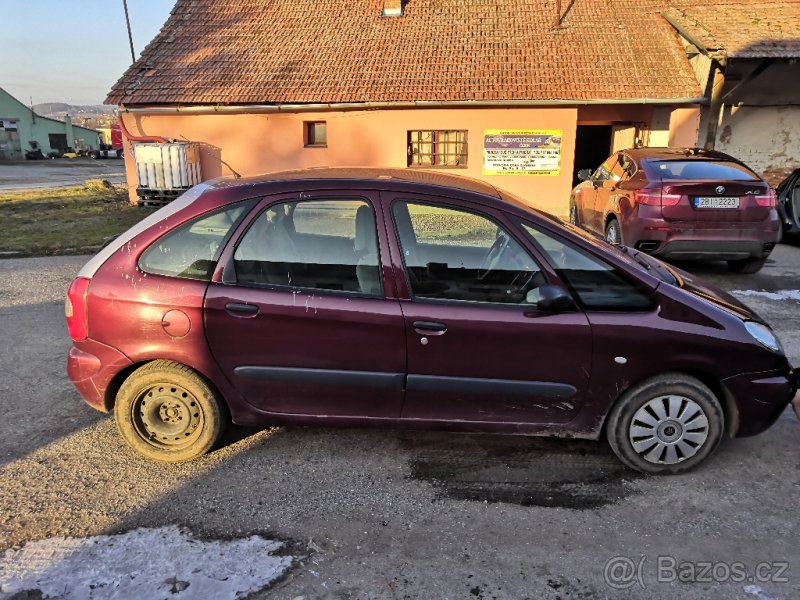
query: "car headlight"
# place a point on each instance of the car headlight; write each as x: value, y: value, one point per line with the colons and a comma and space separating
x: 764, y: 336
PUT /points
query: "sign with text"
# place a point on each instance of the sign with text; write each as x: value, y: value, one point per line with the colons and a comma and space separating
x: 522, y: 152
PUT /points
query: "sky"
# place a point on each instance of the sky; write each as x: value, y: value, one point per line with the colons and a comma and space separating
x: 72, y: 50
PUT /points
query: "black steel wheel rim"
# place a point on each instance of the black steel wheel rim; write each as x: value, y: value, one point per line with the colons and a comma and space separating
x: 167, y: 416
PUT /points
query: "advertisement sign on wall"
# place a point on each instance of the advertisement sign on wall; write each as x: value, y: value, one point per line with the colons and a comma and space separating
x: 522, y: 152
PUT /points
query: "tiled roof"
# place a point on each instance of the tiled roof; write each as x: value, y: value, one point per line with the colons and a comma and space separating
x: 342, y: 51
x: 743, y: 29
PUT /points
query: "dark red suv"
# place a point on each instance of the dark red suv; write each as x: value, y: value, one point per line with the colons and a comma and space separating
x: 680, y: 203
x: 409, y: 299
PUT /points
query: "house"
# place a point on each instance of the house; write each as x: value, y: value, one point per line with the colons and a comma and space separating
x: 520, y: 93
x: 22, y: 130
x: 746, y: 59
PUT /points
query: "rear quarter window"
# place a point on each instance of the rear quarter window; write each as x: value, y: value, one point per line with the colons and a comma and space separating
x: 191, y: 250
x: 698, y: 170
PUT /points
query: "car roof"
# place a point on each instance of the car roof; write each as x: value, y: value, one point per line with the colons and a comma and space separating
x: 677, y: 154
x: 367, y: 174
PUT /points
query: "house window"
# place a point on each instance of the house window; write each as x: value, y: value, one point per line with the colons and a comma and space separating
x: 437, y: 148
x: 315, y: 133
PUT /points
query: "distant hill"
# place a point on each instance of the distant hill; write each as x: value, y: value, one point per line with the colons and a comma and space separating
x: 59, y: 109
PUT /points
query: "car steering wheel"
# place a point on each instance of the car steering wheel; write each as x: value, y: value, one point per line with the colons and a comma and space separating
x: 493, y: 256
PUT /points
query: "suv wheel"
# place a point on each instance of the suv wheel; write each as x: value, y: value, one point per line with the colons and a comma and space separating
x: 746, y: 265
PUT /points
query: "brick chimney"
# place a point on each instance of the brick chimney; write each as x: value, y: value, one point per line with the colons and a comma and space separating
x: 393, y: 8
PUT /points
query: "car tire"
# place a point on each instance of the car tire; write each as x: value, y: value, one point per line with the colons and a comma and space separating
x: 746, y: 266
x: 573, y: 215
x: 168, y: 413
x: 665, y: 425
x: 614, y: 233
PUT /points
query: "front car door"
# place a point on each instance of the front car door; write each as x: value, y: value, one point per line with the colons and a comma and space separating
x: 301, y: 324
x: 478, y: 349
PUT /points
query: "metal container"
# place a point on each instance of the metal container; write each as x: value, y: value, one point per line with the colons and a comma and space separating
x: 165, y: 171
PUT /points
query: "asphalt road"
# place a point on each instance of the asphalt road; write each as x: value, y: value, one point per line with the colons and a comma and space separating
x: 383, y: 514
x: 36, y: 174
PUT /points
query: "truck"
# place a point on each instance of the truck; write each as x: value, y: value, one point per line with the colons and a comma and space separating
x: 110, y: 143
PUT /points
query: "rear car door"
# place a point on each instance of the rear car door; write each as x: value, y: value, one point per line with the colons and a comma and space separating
x: 301, y: 323
x: 478, y: 349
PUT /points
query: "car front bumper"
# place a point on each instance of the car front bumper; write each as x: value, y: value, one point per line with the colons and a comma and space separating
x: 761, y: 398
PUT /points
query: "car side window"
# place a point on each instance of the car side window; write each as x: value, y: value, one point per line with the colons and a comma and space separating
x: 622, y: 168
x: 596, y: 284
x: 453, y: 254
x: 329, y: 244
x: 603, y: 172
x: 191, y: 250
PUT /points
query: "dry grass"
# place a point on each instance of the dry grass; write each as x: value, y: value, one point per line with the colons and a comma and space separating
x: 74, y: 220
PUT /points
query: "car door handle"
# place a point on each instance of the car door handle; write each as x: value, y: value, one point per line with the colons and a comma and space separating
x: 429, y: 327
x: 241, y: 310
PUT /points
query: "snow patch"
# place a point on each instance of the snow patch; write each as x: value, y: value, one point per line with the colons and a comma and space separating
x: 779, y: 295
x: 167, y: 562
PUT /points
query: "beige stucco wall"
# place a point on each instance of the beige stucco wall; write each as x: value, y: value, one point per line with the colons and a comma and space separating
x: 259, y: 143
x: 684, y: 127
x: 767, y: 138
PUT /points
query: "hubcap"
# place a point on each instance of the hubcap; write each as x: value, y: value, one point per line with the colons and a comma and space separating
x: 573, y: 215
x: 611, y: 235
x: 167, y: 416
x: 668, y: 430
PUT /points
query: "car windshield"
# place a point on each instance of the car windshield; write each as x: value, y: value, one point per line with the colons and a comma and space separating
x: 634, y: 258
x: 698, y: 170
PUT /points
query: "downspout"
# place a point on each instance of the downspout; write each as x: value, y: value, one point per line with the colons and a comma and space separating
x: 139, y: 138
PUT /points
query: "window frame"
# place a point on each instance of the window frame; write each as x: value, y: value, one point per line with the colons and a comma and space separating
x: 508, y: 227
x: 434, y: 155
x: 248, y: 204
x: 297, y: 198
x: 521, y: 223
x: 308, y: 127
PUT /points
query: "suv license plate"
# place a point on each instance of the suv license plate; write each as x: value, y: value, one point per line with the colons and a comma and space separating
x: 715, y: 202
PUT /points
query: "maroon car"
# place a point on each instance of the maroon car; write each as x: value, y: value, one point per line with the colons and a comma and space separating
x: 682, y: 204
x: 402, y: 298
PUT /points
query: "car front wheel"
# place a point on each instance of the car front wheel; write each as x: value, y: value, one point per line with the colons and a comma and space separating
x: 667, y: 424
x: 167, y: 412
x: 573, y: 215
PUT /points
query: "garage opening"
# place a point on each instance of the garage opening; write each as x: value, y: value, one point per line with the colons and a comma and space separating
x: 58, y: 141
x: 592, y: 147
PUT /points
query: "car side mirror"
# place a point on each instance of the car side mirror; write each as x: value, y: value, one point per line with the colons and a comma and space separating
x: 584, y: 174
x: 554, y: 298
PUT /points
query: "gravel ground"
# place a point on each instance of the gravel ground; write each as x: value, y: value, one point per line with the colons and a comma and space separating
x: 383, y: 514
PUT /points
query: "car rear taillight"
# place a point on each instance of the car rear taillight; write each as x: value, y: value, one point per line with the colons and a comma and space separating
x: 655, y: 198
x: 76, y: 309
x: 770, y: 199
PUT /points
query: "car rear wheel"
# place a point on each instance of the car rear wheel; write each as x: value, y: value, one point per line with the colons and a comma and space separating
x: 613, y: 233
x: 167, y: 412
x: 746, y: 265
x: 667, y: 424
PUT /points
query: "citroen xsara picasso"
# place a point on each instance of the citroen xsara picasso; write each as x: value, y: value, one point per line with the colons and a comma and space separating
x: 409, y: 299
